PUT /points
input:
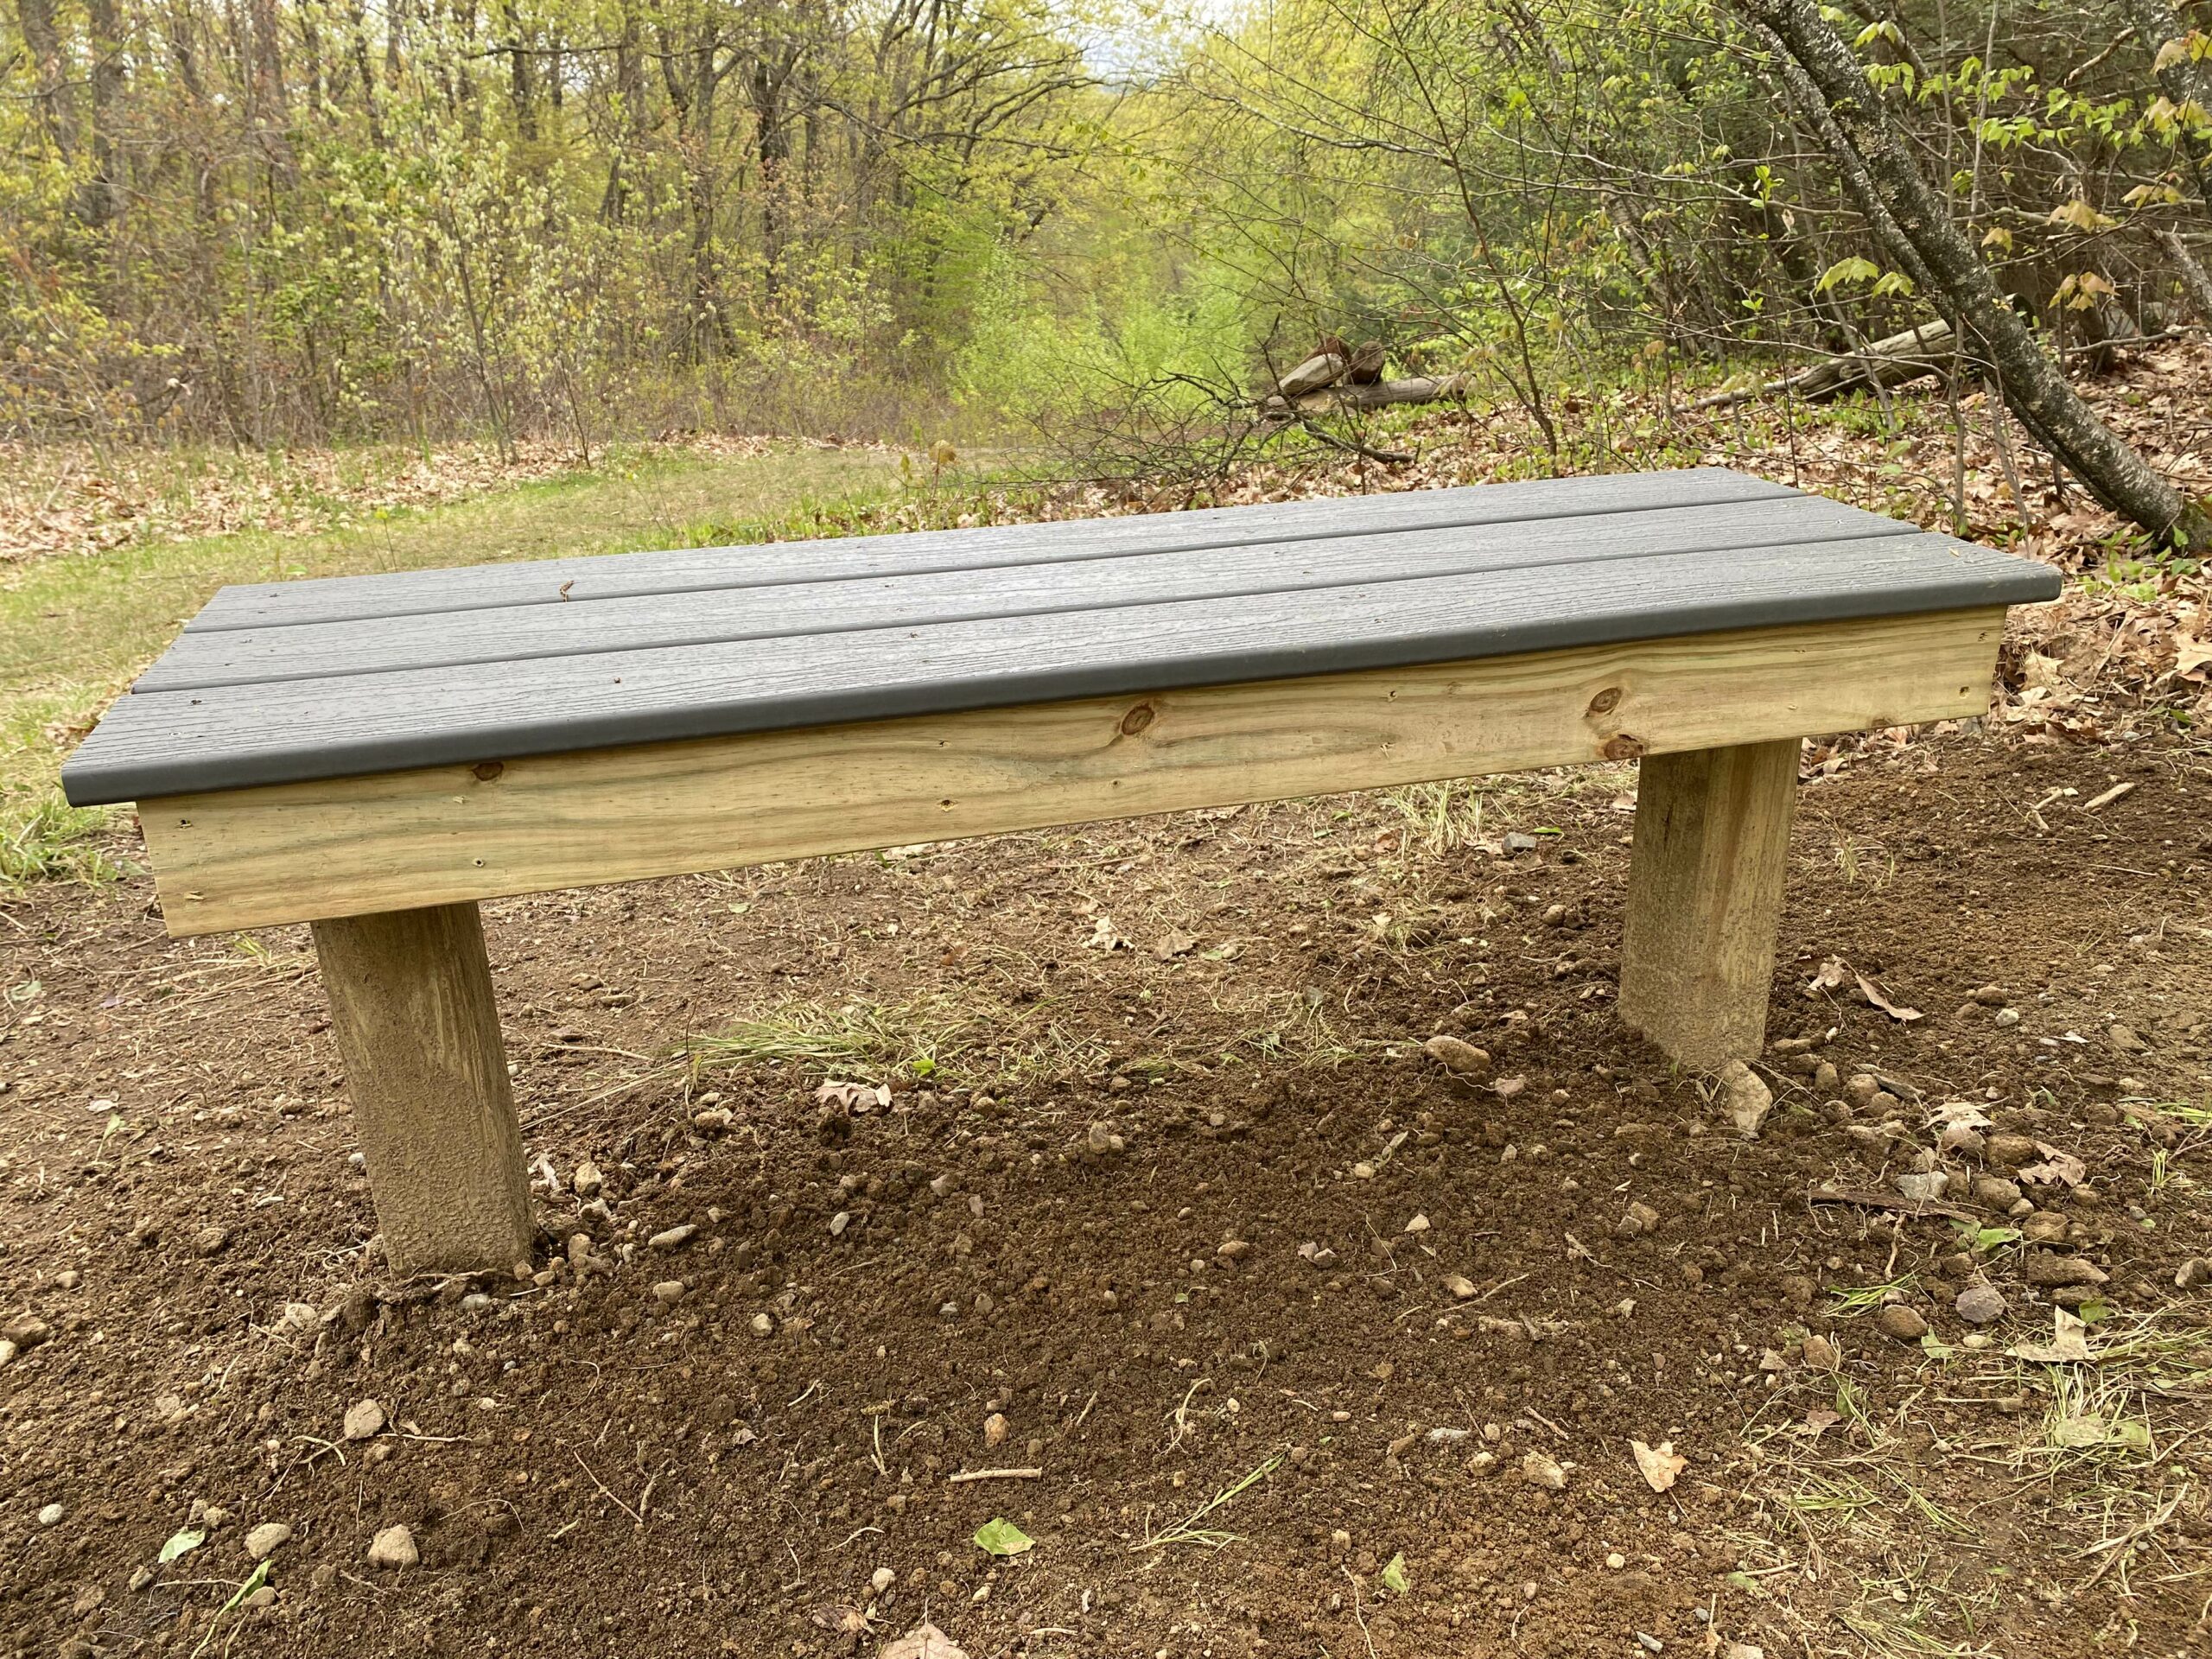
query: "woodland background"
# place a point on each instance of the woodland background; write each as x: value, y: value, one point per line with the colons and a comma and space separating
x: 283, y: 222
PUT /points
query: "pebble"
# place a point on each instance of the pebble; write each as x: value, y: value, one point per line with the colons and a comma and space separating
x: 364, y: 1420
x: 265, y: 1540
x: 1418, y: 1224
x: 394, y: 1548
x: 1992, y: 996
x: 1649, y: 1642
x: 1821, y: 1354
x: 1617, y: 1560
x: 674, y: 1238
x: 1461, y: 1286
x: 2009, y: 1151
x: 1749, y: 1100
x: 995, y: 1429
x: 1900, y: 1324
x: 7, y: 1350
x: 1234, y: 1250
x: 881, y: 1579
x: 2048, y: 1270
x: 1101, y: 1142
x: 210, y: 1240
x: 1456, y: 1054
x: 2192, y: 1273
x: 1362, y: 1172
x: 2045, y: 1227
x: 588, y: 1179
x: 1540, y: 1471
x: 839, y: 1222
x: 69, y: 1279
x: 2008, y: 1017
x: 1981, y: 1304
x: 1923, y: 1189
x: 670, y: 1291
x: 1996, y: 1191
x: 53, y: 1516
x: 762, y: 1325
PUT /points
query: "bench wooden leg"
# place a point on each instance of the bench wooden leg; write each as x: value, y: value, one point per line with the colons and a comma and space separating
x: 411, y: 1002
x: 1704, y: 899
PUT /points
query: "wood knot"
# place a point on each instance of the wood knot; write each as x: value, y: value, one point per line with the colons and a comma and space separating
x: 1607, y: 701
x: 1622, y: 746
x: 485, y: 770
x: 1137, y: 719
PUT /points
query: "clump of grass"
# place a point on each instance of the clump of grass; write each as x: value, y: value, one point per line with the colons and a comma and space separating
x: 872, y: 1041
x: 1439, y: 817
x: 52, y: 841
x: 1867, y: 1299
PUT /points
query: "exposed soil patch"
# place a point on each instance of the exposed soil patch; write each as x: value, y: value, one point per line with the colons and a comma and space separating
x: 1175, y: 1194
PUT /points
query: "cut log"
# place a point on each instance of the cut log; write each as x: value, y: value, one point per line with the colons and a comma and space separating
x: 1315, y: 372
x: 1893, y: 360
x: 1420, y: 389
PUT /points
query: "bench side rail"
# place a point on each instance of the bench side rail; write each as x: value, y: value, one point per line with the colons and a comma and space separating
x: 443, y: 834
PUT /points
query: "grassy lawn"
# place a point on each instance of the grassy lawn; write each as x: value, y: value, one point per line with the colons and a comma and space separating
x: 74, y: 631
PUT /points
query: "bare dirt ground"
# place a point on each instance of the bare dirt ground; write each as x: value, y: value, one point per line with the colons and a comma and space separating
x: 1164, y: 1199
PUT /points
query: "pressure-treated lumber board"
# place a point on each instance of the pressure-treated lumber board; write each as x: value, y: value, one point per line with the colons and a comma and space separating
x: 230, y: 737
x: 332, y: 599
x: 517, y: 633
x: 1705, y: 886
x: 439, y: 834
x: 410, y: 1004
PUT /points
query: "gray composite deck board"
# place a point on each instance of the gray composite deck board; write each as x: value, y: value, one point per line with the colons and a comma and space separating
x: 377, y: 645
x: 547, y: 582
x: 155, y: 743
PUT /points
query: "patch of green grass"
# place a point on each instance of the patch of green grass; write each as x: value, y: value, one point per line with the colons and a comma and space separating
x: 41, y: 839
x: 1866, y: 1299
x: 874, y: 1042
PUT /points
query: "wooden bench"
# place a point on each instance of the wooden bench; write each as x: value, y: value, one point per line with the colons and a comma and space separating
x: 374, y: 754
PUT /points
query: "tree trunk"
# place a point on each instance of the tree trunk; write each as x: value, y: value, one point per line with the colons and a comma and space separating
x: 1908, y: 212
x: 50, y: 75
x: 2193, y: 281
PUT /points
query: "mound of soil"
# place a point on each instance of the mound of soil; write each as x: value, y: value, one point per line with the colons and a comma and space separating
x: 1314, y: 1344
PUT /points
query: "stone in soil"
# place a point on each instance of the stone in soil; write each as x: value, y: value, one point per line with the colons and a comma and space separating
x: 1541, y: 1470
x: 2192, y: 1273
x: 1746, y: 1095
x: 364, y: 1420
x: 675, y: 1237
x: 394, y: 1548
x: 265, y: 1540
x: 2048, y: 1270
x: 1981, y: 1304
x: 1900, y: 1324
x: 1456, y: 1055
x: 53, y: 1514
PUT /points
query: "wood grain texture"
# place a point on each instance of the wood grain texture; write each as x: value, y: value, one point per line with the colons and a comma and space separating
x: 688, y: 569
x: 1704, y: 899
x: 514, y: 633
x: 410, y: 1005
x: 230, y: 737
x: 438, y: 835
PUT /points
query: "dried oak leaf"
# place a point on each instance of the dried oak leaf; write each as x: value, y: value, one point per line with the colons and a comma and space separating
x: 1660, y: 1464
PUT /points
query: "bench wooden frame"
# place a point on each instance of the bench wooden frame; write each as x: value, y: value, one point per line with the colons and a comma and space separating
x: 375, y: 755
x: 1717, y: 719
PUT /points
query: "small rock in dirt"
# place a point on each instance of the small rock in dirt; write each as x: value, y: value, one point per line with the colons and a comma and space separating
x: 995, y: 1429
x: 1461, y: 1286
x: 714, y: 1120
x: 2009, y: 1151
x: 2192, y: 1273
x: 2045, y: 1227
x: 1362, y: 1172
x: 143, y: 1577
x: 210, y: 1240
x: 2007, y: 1017
x: 2048, y: 1270
x: 1455, y: 1054
x: 1821, y: 1354
x: 881, y: 1579
x: 1639, y: 1220
x: 1923, y: 1189
x: 69, y: 1279
x: 588, y: 1181
x: 674, y: 1238
x: 1233, y: 1250
x: 1540, y: 1471
x: 53, y: 1516
x: 1418, y: 1224
x: 265, y: 1540
x: 1900, y: 1324
x: 394, y: 1548
x: 925, y: 1641
x: 1747, y: 1097
x: 1744, y: 1651
x: 1649, y: 1642
x: 1825, y: 1078
x: 1100, y: 1141
x: 1992, y: 996
x: 1995, y: 1192
x: 364, y: 1420
x: 1862, y: 1088
x: 762, y: 1325
x: 670, y: 1291
x: 8, y: 1351
x: 1981, y: 1304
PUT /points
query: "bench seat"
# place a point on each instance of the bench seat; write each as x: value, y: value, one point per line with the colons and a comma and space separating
x: 375, y: 754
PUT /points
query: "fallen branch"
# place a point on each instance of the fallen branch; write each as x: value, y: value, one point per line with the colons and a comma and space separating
x: 1890, y: 361
x: 1353, y: 447
x: 967, y: 1475
x: 1901, y: 1205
